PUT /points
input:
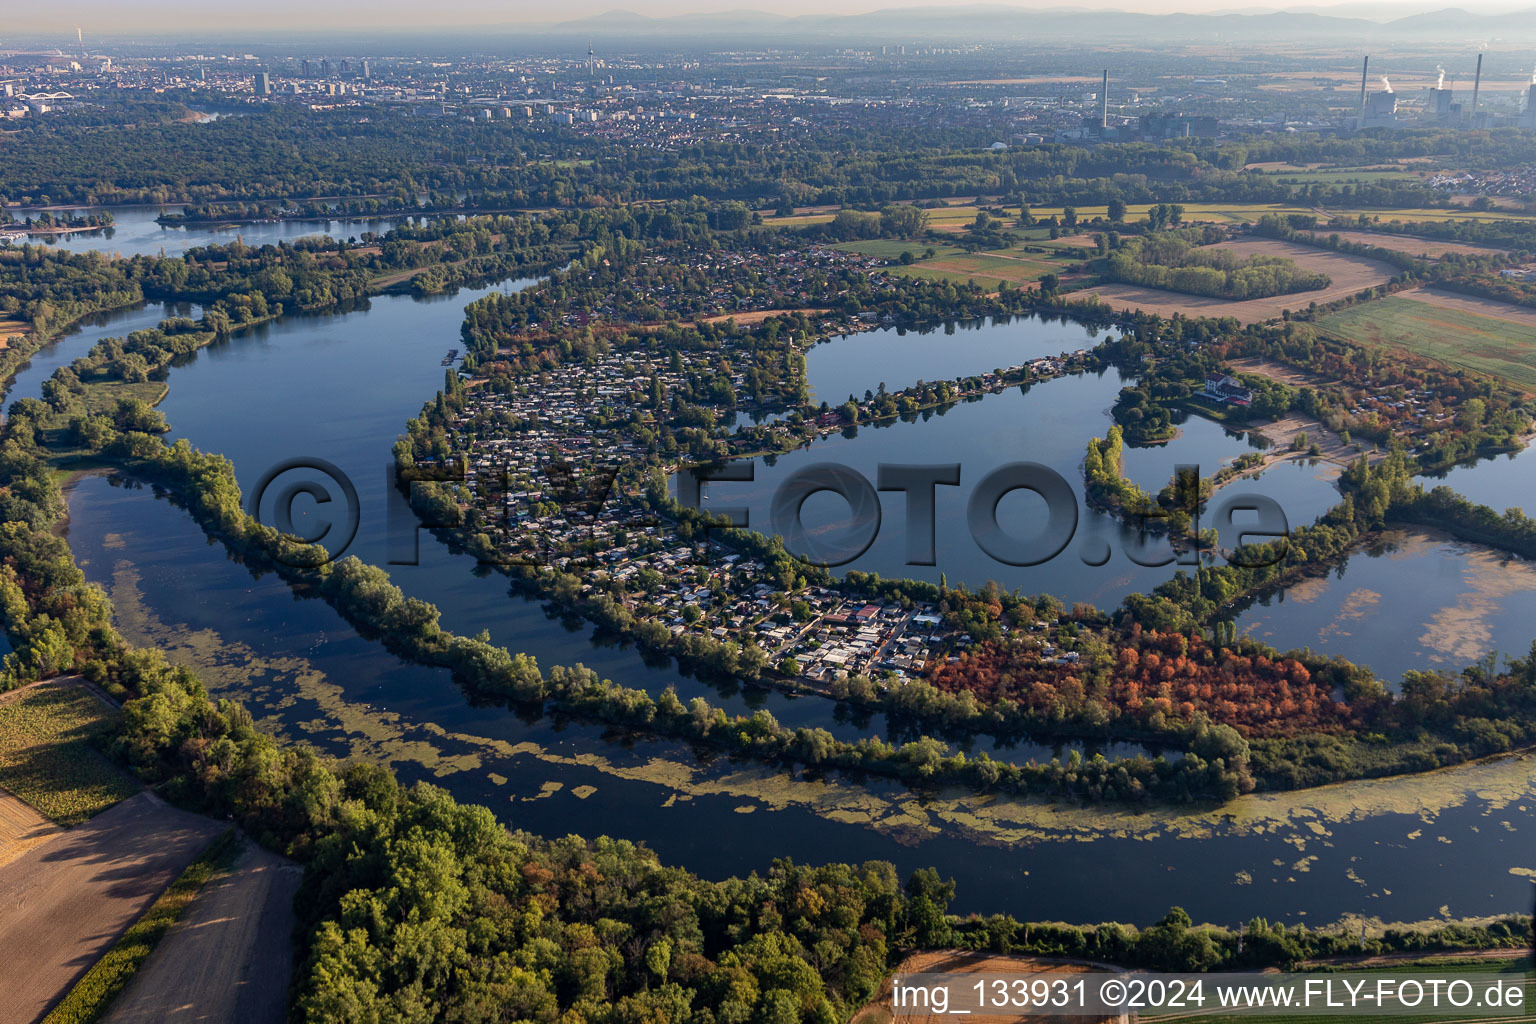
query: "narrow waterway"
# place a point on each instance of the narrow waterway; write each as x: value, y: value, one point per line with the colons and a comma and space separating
x: 340, y: 388
x: 1454, y: 843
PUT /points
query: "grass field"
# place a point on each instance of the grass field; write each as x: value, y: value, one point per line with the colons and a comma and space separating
x: 890, y: 248
x: 1500, y: 348
x: 952, y: 263
x: 47, y: 757
x: 1340, y: 176
x: 954, y: 218
x: 103, y: 398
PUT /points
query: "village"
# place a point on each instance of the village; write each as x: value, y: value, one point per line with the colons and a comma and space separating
x: 555, y: 467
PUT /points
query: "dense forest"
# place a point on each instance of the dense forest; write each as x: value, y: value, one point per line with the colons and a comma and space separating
x: 395, y: 158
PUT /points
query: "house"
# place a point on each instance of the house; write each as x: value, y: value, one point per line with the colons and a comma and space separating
x: 1219, y: 387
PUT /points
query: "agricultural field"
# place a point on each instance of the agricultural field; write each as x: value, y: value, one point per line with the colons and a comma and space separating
x: 1017, y: 266
x: 954, y: 219
x: 1341, y: 175
x: 1348, y: 274
x: 82, y: 890
x: 48, y: 757
x: 21, y: 828
x: 961, y: 962
x: 1427, y: 248
x: 228, y: 959
x: 1456, y: 330
x: 985, y: 268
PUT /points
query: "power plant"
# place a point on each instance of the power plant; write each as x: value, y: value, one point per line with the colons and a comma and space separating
x: 1382, y: 109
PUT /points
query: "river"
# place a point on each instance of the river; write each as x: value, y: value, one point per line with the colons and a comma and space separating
x: 341, y: 387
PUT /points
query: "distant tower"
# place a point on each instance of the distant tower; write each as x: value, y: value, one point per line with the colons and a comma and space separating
x: 325, y: 67
x: 1477, y: 83
x: 591, y: 59
x: 367, y: 72
x: 304, y: 68
x: 1104, y: 100
x: 1365, y: 69
x: 80, y: 40
x: 263, y: 84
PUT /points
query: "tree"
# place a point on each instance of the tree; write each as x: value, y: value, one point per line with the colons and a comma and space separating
x: 1116, y: 212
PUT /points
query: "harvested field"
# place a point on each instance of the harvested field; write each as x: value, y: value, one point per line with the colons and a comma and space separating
x: 1349, y: 275
x: 758, y: 316
x: 21, y: 828
x: 228, y: 960
x: 960, y: 962
x: 1275, y: 371
x: 1428, y: 248
x: 1460, y: 331
x: 64, y: 902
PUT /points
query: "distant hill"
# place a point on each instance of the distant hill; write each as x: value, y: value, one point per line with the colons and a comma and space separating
x: 914, y: 25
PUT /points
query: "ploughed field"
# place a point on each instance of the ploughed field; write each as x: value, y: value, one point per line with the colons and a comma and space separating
x: 64, y: 902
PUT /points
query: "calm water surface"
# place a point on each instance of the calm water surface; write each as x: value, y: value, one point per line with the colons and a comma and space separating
x: 340, y: 388
x: 306, y: 673
x: 136, y: 232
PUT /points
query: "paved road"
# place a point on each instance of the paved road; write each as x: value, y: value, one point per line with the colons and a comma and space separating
x: 63, y: 903
x: 228, y: 960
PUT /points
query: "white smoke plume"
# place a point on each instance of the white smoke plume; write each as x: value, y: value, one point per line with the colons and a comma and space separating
x: 1386, y: 84
x: 1440, y: 82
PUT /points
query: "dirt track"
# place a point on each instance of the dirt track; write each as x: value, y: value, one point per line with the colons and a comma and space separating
x: 963, y: 962
x: 228, y: 960
x: 63, y: 903
x: 1349, y: 275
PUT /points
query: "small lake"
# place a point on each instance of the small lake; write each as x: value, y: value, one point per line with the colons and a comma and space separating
x: 899, y: 357
x: 1050, y: 423
x: 1412, y: 600
x: 135, y: 232
x: 1502, y: 482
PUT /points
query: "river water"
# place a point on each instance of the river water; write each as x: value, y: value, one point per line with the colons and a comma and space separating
x: 135, y: 232
x: 341, y: 387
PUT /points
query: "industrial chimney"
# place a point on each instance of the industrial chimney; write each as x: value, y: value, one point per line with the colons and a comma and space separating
x: 1365, y: 70
x: 1104, y: 99
x: 1477, y: 82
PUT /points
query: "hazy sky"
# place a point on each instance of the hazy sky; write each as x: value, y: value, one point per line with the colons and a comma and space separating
x: 285, y: 16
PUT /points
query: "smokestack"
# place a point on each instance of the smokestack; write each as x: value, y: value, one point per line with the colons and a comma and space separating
x: 1477, y: 82
x: 1104, y: 99
x: 1365, y: 70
